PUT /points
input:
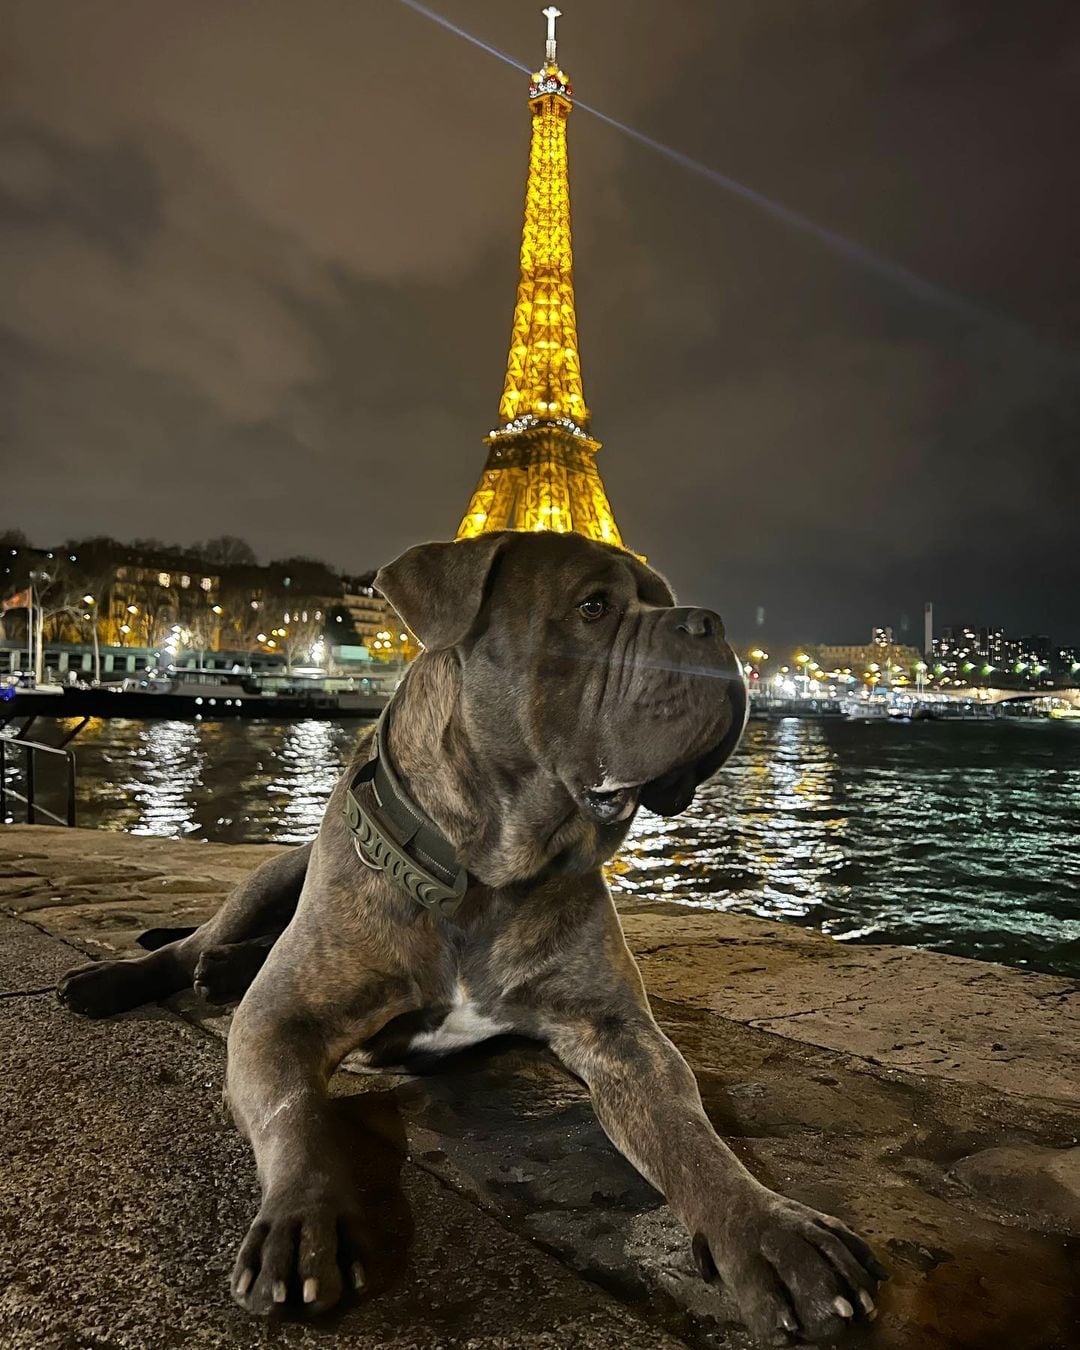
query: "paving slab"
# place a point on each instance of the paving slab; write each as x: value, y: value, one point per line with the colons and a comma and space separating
x: 926, y: 1013
x: 30, y: 961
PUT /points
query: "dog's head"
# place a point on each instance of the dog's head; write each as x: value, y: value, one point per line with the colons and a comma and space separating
x: 576, y: 658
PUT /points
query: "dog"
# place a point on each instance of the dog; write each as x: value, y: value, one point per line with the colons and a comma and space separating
x: 455, y: 892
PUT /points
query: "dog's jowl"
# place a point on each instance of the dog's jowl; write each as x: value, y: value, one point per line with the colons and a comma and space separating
x: 455, y: 891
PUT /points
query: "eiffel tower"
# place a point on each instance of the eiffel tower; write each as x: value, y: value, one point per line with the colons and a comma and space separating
x: 541, y: 467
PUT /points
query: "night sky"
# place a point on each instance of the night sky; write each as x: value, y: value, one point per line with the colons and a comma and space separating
x: 258, y: 263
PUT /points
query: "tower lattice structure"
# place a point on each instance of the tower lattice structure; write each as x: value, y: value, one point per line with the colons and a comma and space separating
x: 541, y: 467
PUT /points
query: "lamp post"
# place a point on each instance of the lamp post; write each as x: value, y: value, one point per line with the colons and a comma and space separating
x: 37, y: 634
x: 802, y: 660
x: 91, y: 605
x: 759, y: 657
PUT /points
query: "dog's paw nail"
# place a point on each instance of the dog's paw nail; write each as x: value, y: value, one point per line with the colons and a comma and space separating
x: 842, y: 1307
x: 243, y: 1284
x: 311, y: 1290
x: 279, y: 1291
x: 867, y: 1303
x: 788, y: 1323
x: 359, y: 1275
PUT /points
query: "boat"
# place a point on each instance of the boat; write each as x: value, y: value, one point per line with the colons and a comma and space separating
x: 202, y: 697
x: 875, y: 710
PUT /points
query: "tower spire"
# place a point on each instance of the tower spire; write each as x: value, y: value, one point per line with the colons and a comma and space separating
x: 551, y: 14
x: 541, y: 472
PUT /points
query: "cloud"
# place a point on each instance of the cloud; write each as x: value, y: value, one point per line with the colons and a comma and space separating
x: 259, y: 270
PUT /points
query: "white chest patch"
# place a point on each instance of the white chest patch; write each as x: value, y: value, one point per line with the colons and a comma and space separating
x: 463, y: 1025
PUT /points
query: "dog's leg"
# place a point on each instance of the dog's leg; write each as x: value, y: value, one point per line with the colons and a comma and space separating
x: 794, y: 1272
x: 261, y: 905
x: 286, y: 1038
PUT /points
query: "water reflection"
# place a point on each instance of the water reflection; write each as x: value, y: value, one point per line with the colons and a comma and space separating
x: 165, y: 772
x: 309, y: 766
x: 961, y: 837
x: 765, y: 836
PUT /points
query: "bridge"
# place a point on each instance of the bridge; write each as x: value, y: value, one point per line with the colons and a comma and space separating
x: 979, y: 694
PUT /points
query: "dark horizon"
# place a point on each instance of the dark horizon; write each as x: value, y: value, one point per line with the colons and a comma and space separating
x: 261, y: 270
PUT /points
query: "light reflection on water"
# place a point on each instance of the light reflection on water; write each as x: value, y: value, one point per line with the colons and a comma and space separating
x: 163, y: 771
x: 964, y: 837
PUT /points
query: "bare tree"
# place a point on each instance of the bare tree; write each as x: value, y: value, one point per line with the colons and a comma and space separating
x: 57, y: 597
x: 226, y: 551
x: 300, y: 632
x: 203, y: 628
x: 95, y: 583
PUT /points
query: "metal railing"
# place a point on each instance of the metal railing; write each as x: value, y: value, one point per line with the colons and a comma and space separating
x: 34, y: 807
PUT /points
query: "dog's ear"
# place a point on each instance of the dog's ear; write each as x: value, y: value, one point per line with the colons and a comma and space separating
x: 674, y: 792
x: 438, y: 589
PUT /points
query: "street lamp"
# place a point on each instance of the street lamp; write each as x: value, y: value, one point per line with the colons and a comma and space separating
x: 801, y: 661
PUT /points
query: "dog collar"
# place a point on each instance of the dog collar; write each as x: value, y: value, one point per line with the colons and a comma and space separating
x: 392, y: 835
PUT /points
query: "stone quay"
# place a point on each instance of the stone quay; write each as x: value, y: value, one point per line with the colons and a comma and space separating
x: 931, y: 1102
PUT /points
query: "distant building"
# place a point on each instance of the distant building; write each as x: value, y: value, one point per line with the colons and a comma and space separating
x: 968, y: 651
x: 1036, y: 647
x: 375, y: 622
x: 881, y: 651
x: 166, y: 604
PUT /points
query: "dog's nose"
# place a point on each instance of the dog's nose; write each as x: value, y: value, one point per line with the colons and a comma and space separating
x: 700, y: 623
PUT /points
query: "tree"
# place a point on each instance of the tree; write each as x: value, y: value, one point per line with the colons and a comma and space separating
x: 95, y: 582
x: 58, y: 601
x: 203, y: 627
x: 226, y: 551
x: 299, y: 631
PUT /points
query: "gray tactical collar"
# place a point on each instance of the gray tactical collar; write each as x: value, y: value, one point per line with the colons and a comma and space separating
x: 393, y: 836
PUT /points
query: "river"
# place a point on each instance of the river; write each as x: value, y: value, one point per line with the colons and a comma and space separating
x: 960, y: 837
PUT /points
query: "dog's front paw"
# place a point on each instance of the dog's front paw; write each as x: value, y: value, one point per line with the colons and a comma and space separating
x: 300, y: 1250
x: 224, y: 974
x: 103, y: 988
x: 797, y: 1275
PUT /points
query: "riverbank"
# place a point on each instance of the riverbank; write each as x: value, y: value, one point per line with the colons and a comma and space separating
x: 214, y: 701
x: 931, y: 1101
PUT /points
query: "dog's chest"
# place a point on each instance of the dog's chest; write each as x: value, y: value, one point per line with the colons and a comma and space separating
x: 463, y: 1025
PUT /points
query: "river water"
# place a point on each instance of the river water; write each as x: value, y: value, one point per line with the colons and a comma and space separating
x: 962, y: 837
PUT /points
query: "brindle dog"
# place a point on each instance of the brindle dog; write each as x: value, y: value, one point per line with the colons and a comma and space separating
x: 560, y: 689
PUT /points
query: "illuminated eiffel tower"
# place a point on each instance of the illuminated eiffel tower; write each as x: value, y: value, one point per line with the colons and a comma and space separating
x: 541, y: 467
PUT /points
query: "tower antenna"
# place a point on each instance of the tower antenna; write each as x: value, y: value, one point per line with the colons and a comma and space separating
x: 551, y: 14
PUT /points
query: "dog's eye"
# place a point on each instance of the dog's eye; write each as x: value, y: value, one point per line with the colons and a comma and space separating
x: 594, y: 607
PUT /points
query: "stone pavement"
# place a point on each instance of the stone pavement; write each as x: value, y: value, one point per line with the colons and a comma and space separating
x: 929, y: 1101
